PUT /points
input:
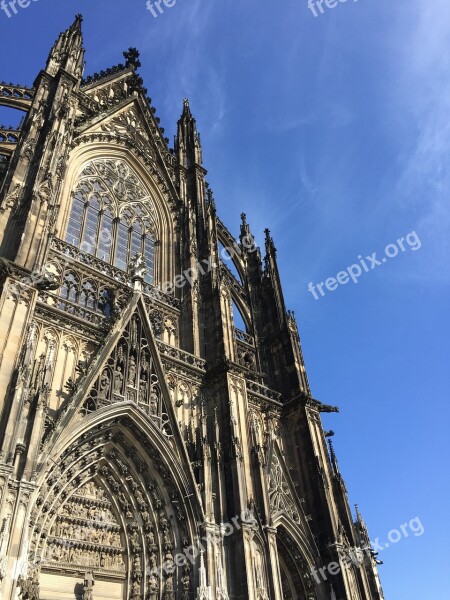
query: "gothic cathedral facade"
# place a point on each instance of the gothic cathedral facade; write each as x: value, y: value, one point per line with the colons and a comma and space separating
x: 150, y: 448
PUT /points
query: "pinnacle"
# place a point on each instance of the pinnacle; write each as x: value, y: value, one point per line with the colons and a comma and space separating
x: 132, y: 58
x: 76, y: 25
x: 186, y: 109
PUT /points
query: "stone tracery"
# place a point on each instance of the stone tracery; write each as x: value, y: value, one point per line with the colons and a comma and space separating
x: 104, y: 509
x: 112, y: 215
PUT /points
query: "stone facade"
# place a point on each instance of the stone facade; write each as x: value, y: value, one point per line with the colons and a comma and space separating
x: 148, y: 447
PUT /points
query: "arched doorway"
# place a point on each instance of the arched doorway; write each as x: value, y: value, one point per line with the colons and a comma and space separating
x: 110, y: 516
x: 296, y: 579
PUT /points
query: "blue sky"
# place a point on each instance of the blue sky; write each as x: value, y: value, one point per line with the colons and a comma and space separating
x: 334, y: 132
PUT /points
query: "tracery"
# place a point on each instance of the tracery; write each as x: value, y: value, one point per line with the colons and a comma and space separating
x: 112, y: 215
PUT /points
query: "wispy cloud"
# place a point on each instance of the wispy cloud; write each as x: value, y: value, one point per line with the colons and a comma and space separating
x: 424, y: 89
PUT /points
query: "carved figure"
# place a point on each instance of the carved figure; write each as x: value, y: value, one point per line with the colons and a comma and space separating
x: 104, y: 385
x: 88, y: 585
x: 153, y: 403
x: 118, y: 379
x: 132, y: 371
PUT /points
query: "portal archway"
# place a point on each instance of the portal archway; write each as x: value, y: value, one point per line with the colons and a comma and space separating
x: 111, y: 513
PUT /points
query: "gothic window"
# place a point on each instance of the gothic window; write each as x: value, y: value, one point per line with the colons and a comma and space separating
x: 75, y: 222
x: 238, y: 319
x: 70, y: 288
x: 121, y: 255
x: 88, y: 295
x: 90, y: 228
x: 112, y: 216
x: 105, y: 302
x: 105, y: 235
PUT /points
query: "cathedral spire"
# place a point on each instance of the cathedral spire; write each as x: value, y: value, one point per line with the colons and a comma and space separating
x: 333, y: 459
x: 203, y: 590
x: 67, y: 53
x: 246, y: 237
x: 187, y: 141
x: 271, y: 271
x: 131, y: 57
x: 271, y: 251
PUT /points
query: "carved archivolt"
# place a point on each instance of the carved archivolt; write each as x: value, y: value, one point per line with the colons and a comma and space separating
x: 110, y: 507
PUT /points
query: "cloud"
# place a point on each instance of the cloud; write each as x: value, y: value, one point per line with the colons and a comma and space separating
x: 423, y: 90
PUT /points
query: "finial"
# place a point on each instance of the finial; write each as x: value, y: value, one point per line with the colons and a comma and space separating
x: 270, y: 246
x: 333, y: 457
x: 330, y: 443
x: 244, y: 218
x: 186, y: 108
x: 358, y: 514
x: 137, y: 269
x: 132, y: 58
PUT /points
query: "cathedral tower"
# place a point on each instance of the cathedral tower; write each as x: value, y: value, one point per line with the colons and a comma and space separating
x: 148, y: 447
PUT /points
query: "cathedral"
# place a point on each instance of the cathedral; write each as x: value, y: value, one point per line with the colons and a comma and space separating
x: 158, y: 436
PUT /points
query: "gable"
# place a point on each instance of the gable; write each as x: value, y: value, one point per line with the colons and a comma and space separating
x: 283, y: 499
x: 126, y: 369
x: 131, y: 122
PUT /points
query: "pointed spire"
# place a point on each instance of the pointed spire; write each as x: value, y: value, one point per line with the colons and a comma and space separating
x: 334, y: 462
x: 221, y: 590
x: 131, y: 57
x: 359, y: 518
x: 203, y: 590
x: 246, y: 238
x: 76, y: 25
x: 68, y: 52
x: 186, y: 114
x: 187, y: 143
x: 245, y: 229
x: 270, y: 246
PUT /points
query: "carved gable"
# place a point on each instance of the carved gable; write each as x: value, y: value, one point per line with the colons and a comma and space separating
x: 130, y: 375
x: 282, y: 496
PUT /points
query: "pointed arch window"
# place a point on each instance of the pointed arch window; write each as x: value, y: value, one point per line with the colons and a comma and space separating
x: 90, y: 226
x: 121, y: 257
x: 75, y: 226
x: 105, y: 235
x: 112, y: 216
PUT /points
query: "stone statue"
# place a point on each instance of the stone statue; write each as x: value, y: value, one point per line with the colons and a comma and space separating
x: 186, y: 583
x: 118, y: 378
x: 88, y: 584
x: 29, y: 588
x: 135, y: 591
x: 152, y: 588
x: 137, y: 267
x: 142, y: 391
x: 169, y: 592
x: 104, y: 385
x: 150, y: 537
x: 137, y: 567
x: 132, y: 371
x: 153, y: 404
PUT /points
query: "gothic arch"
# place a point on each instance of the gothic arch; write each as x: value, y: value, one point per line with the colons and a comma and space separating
x: 242, y: 311
x: 229, y: 254
x: 136, y: 478
x: 226, y: 239
x: 163, y: 226
x: 296, y: 562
